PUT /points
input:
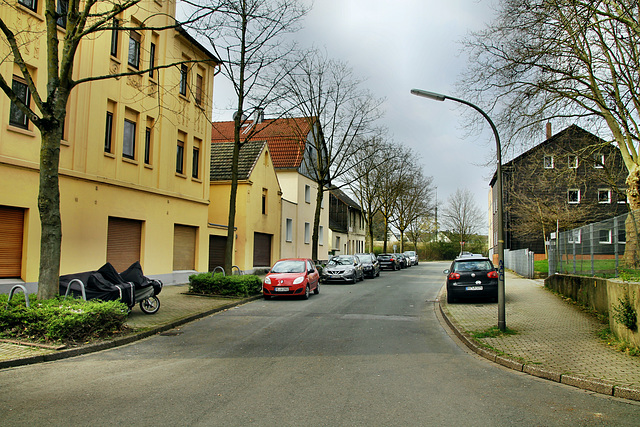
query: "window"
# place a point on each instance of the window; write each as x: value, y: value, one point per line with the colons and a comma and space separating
x: 115, y: 37
x: 338, y: 242
x: 184, y: 73
x: 16, y: 116
x: 307, y: 233
x: 62, y: 10
x: 575, y: 236
x: 289, y: 230
x: 30, y: 4
x: 264, y: 201
x: 199, y: 83
x: 604, y: 195
x: 147, y: 146
x: 108, y: 133
x: 307, y: 194
x: 573, y: 196
x: 622, y: 235
x: 152, y: 59
x: 180, y: 156
x: 548, y: 162
x: 573, y: 162
x: 320, y: 235
x: 598, y: 161
x: 134, y: 49
x: 195, y: 160
x: 129, y: 139
x: 622, y: 195
x: 604, y: 237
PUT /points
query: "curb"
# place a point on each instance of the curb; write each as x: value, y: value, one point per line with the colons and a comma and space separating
x: 91, y: 348
x: 585, y: 383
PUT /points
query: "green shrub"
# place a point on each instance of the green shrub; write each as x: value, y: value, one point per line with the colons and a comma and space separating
x: 219, y: 284
x: 625, y: 314
x: 60, y: 319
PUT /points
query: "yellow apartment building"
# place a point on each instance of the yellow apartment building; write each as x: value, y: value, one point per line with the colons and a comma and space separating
x: 134, y: 160
x: 258, y: 207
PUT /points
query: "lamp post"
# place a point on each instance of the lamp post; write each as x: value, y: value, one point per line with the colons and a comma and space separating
x: 439, y: 97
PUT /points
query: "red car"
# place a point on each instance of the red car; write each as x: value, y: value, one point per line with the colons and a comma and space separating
x: 292, y: 277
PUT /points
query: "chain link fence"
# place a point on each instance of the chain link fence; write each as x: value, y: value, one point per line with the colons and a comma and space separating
x: 602, y: 249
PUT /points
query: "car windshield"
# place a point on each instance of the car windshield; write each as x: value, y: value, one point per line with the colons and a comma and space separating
x: 288, y: 266
x: 341, y: 261
x: 410, y: 253
x: 473, y: 266
x: 364, y: 257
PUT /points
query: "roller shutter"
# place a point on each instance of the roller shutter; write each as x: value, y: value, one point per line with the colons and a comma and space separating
x: 124, y: 239
x: 261, y: 250
x: 184, y: 247
x: 11, y: 232
x: 216, y: 251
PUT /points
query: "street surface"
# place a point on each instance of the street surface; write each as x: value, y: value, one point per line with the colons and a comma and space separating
x: 370, y: 354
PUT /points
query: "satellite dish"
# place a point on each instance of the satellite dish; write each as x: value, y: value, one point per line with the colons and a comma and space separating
x: 235, y: 114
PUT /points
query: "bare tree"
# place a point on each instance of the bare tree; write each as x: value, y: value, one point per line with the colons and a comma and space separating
x: 249, y: 37
x: 461, y: 215
x: 47, y: 109
x: 568, y: 60
x: 342, y: 116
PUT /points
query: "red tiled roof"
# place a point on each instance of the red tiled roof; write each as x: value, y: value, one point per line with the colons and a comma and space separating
x: 286, y: 138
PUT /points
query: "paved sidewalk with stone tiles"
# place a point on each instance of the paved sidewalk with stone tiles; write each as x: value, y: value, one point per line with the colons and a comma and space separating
x: 552, y: 334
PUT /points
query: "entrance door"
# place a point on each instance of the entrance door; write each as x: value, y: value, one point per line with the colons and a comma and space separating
x: 216, y: 251
x: 124, y: 240
x: 184, y: 247
x: 261, y: 250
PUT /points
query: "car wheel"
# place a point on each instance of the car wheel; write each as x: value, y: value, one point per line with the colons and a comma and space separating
x: 378, y: 274
x: 355, y: 279
x: 450, y: 299
x: 316, y: 291
x: 307, y: 292
x: 150, y: 305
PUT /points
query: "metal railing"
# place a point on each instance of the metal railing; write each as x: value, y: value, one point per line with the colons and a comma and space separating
x: 520, y: 261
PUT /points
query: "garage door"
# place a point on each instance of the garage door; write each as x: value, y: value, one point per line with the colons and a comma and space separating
x: 261, y: 250
x: 124, y: 239
x: 184, y: 247
x: 11, y: 230
x: 216, y: 251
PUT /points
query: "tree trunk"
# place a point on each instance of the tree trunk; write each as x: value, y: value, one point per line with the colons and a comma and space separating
x: 231, y: 223
x: 49, y: 208
x: 631, y: 255
x: 316, y: 224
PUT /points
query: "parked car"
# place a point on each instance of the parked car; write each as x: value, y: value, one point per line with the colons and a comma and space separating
x: 343, y: 268
x: 402, y: 260
x: 413, y: 257
x: 471, y: 276
x: 370, y: 265
x: 292, y: 276
x: 389, y: 261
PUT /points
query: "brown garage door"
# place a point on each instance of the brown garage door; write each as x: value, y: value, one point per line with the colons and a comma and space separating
x: 184, y: 247
x: 124, y: 239
x: 217, y: 246
x: 11, y: 231
x: 261, y: 250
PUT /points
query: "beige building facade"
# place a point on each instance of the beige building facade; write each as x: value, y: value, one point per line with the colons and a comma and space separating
x: 134, y: 157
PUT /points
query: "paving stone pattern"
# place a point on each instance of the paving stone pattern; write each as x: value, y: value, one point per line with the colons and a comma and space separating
x: 552, y: 333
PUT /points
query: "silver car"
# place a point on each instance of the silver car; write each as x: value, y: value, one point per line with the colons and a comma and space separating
x: 343, y: 268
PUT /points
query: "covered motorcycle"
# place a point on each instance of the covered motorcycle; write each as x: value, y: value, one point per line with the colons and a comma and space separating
x: 106, y: 284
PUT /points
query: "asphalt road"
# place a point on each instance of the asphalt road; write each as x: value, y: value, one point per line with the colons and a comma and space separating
x: 371, y: 354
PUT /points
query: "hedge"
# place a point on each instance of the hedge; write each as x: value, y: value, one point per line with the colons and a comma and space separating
x: 219, y: 284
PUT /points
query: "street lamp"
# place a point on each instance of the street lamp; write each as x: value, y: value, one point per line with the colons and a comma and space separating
x: 438, y: 97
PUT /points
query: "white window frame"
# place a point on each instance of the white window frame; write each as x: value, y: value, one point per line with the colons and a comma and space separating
x: 598, y: 161
x: 307, y: 233
x: 573, y: 162
x: 129, y: 139
x: 289, y: 230
x: 608, y: 192
x: 547, y: 162
x: 307, y: 193
x: 622, y: 192
x: 575, y: 236
x: 607, y: 235
x: 320, y: 235
x: 569, y: 198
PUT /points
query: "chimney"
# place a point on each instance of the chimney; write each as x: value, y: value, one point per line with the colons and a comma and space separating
x: 549, y: 134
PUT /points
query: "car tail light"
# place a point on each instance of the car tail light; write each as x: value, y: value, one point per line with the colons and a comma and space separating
x: 454, y: 276
x: 492, y: 274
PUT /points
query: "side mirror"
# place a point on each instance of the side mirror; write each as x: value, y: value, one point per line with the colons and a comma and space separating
x: 446, y: 271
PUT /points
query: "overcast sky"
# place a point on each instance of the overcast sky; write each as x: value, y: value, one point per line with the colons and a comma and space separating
x: 398, y: 45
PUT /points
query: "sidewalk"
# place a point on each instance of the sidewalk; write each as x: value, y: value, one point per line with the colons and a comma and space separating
x: 176, y: 308
x: 555, y: 340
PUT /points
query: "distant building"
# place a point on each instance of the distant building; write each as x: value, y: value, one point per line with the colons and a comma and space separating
x: 570, y: 179
x: 346, y: 223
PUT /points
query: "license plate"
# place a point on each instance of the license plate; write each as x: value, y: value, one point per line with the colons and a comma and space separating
x: 281, y: 289
x: 334, y: 276
x: 473, y: 288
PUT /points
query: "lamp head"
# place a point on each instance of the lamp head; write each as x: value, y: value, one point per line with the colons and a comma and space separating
x: 427, y: 94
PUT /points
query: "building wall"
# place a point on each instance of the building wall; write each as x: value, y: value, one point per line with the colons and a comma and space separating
x: 96, y: 184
